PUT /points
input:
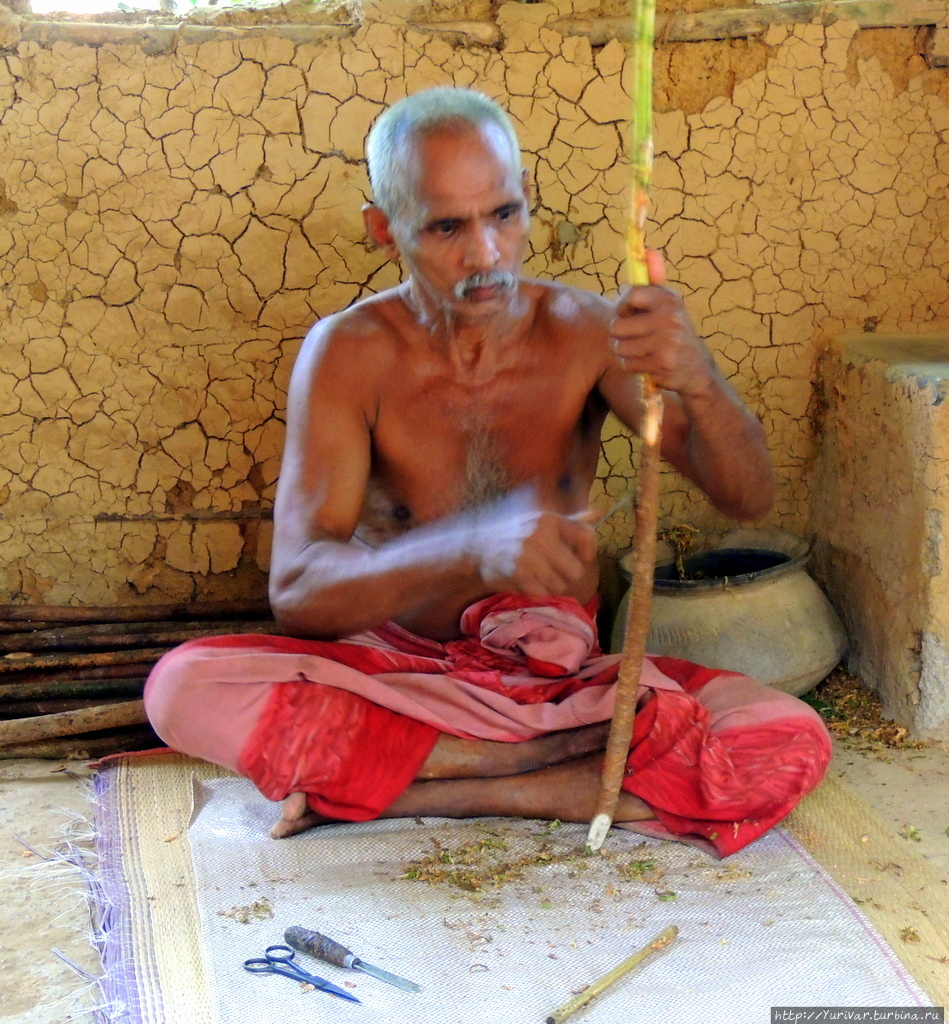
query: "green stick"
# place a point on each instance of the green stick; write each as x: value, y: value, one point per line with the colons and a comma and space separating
x: 647, y: 505
x: 593, y: 990
x: 641, y: 141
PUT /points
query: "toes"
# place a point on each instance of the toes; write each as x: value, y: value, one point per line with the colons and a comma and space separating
x: 284, y: 828
x: 294, y: 806
x: 296, y: 817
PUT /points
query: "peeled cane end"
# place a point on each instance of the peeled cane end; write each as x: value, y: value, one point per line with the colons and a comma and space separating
x: 650, y: 430
x: 599, y: 828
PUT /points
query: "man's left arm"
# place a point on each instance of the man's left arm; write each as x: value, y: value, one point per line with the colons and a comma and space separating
x: 707, y: 433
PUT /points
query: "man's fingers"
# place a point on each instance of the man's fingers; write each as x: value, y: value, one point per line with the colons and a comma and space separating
x: 580, y: 534
x: 554, y: 571
x: 557, y: 555
x: 541, y: 553
x: 655, y: 267
x: 641, y: 310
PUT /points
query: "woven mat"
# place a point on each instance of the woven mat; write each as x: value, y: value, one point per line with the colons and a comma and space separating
x: 180, y: 851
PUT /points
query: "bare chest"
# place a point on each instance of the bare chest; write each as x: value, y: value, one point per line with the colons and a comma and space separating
x: 441, y: 444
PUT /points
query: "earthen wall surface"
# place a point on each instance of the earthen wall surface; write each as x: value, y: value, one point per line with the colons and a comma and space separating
x: 177, y: 210
x: 880, y: 507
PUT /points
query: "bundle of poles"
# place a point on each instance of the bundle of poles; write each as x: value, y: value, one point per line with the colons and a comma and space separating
x: 71, y: 678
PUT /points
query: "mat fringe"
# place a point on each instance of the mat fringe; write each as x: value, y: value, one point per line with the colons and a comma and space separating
x: 835, y: 825
x: 54, y: 875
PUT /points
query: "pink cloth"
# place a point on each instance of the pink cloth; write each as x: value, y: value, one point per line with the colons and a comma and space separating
x: 718, y: 757
x: 208, y: 695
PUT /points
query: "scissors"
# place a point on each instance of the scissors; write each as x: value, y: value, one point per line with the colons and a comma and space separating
x: 279, y: 960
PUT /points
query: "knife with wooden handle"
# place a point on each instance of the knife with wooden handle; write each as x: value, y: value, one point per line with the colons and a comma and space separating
x: 325, y: 948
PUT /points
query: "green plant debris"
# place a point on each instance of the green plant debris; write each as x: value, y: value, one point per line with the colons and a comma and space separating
x: 732, y: 873
x: 682, y: 540
x: 665, y: 895
x: 259, y: 910
x: 909, y: 935
x: 854, y: 715
x: 911, y: 833
x: 476, y: 867
x: 644, y: 870
x: 864, y: 902
x: 488, y: 863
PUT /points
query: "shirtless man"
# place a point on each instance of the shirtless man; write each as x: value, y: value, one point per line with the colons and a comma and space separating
x: 443, y: 436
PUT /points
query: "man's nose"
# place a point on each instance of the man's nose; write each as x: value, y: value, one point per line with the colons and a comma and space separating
x: 482, y: 251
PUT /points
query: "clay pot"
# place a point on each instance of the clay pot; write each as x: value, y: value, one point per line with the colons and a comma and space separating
x: 749, y: 607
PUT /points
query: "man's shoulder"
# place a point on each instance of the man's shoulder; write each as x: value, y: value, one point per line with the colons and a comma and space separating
x: 578, y: 319
x: 365, y: 330
x: 372, y: 318
x: 568, y: 306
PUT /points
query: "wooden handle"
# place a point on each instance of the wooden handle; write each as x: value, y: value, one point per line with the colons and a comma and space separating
x: 318, y: 945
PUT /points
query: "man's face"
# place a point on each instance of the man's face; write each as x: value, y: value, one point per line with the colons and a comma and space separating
x: 465, y: 240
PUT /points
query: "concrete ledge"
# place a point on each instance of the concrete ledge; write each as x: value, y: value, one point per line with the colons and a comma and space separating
x: 732, y: 23
x: 923, y: 356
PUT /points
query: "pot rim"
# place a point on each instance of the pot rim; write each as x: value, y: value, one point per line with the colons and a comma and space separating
x: 795, y: 547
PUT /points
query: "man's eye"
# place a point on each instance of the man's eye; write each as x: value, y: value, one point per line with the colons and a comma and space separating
x: 507, y: 212
x: 444, y: 227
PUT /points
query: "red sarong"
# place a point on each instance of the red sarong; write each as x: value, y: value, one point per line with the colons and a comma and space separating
x: 718, y: 757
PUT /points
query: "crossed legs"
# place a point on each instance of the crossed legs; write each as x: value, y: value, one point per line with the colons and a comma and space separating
x: 554, y: 776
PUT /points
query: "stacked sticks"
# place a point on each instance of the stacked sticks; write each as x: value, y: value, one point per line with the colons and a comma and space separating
x: 71, y: 679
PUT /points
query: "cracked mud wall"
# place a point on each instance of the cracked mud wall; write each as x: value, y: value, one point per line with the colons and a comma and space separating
x: 882, y: 547
x: 176, y: 212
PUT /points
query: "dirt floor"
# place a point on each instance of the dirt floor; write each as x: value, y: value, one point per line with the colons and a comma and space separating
x: 42, y: 909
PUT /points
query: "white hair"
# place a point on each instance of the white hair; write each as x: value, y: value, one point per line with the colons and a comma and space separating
x: 414, y: 117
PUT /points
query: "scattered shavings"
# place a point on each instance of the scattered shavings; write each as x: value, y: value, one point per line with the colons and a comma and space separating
x: 853, y: 715
x: 259, y: 910
x: 474, y: 867
x: 488, y: 862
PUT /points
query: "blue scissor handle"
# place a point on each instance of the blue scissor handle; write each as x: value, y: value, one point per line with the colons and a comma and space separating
x: 273, y: 953
x: 282, y: 955
x: 279, y: 960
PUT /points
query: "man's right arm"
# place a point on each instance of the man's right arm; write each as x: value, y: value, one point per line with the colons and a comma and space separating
x: 320, y: 584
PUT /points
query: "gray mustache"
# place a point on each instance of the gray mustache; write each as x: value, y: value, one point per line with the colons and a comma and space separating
x: 489, y: 279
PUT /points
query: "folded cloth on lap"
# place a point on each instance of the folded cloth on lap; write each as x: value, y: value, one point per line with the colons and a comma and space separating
x: 718, y: 757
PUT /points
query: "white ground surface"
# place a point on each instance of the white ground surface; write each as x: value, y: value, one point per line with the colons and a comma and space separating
x: 907, y: 788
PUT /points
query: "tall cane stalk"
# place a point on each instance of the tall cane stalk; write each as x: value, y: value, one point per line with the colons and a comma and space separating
x: 647, y: 504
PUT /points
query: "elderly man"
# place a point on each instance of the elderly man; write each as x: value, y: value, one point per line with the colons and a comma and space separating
x: 434, y: 559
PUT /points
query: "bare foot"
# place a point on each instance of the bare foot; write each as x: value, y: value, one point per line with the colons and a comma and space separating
x: 454, y: 758
x: 550, y: 777
x: 296, y: 817
x: 568, y: 792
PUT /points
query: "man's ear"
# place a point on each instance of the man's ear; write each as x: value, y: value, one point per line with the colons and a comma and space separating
x: 377, y: 225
